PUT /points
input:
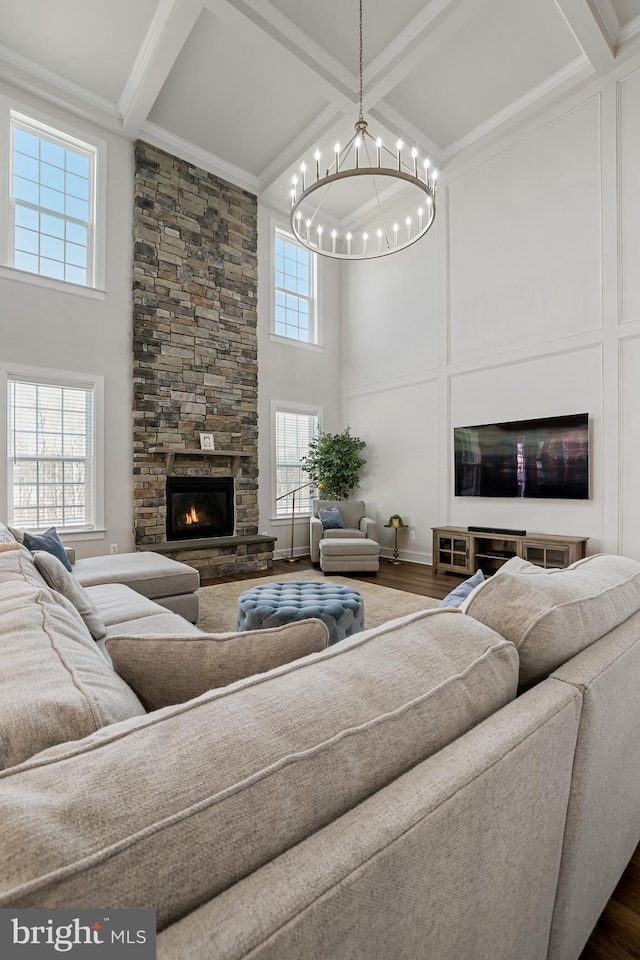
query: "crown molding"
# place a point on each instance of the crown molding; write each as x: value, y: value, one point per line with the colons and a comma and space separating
x: 33, y: 78
x: 579, y: 70
x: 631, y: 29
x: 187, y: 151
x: 590, y: 30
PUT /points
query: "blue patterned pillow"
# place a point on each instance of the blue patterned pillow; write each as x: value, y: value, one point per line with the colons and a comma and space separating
x: 460, y: 593
x: 49, y: 541
x: 331, y: 519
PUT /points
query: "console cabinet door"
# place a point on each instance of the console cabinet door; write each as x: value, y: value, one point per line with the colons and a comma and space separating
x: 546, y: 555
x: 452, y: 552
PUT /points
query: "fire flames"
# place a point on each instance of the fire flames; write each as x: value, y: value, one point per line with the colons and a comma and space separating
x: 191, y: 516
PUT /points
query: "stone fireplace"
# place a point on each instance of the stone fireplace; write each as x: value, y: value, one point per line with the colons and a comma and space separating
x: 195, y: 367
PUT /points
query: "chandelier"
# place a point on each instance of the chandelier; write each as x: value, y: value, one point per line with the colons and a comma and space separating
x: 385, y: 197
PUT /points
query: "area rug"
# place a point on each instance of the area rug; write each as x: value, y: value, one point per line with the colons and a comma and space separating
x: 218, y: 601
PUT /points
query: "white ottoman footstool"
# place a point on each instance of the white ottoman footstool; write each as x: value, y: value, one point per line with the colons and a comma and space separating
x: 349, y: 554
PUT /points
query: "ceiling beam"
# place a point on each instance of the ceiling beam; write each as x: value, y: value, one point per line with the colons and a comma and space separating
x: 328, y: 120
x: 432, y: 27
x: 337, y: 84
x: 170, y: 27
x: 590, y: 30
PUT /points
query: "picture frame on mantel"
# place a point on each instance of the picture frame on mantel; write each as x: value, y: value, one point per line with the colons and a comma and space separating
x: 206, y: 441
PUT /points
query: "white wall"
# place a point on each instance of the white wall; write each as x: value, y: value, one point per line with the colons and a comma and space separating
x: 68, y: 332
x: 524, y: 303
x: 293, y: 373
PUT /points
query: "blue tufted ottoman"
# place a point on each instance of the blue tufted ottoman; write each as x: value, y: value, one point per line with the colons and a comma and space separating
x: 271, y: 605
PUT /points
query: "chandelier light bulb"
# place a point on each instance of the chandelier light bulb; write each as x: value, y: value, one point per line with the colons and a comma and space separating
x: 337, y: 148
x: 395, y: 234
x: 379, y: 236
x: 294, y: 179
x: 348, y: 244
x: 334, y: 234
x: 303, y: 168
x: 299, y: 216
x: 434, y: 174
x: 414, y: 154
x: 308, y: 224
x: 365, y: 237
x: 317, y: 159
x: 319, y: 228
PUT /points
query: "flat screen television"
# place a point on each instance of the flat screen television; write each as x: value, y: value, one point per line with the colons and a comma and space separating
x: 546, y: 458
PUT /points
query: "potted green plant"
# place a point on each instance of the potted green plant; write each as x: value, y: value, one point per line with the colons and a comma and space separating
x: 395, y: 520
x: 334, y: 463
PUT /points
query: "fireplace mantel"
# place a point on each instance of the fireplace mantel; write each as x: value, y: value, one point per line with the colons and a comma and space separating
x: 234, y: 455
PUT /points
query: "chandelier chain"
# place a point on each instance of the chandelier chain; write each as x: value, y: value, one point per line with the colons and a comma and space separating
x: 361, y: 115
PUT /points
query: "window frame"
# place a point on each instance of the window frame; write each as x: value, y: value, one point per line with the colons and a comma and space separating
x: 300, y: 409
x: 315, y: 341
x: 60, y: 378
x: 65, y: 135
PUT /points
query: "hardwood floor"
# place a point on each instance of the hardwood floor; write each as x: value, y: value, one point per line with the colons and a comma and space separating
x: 617, y: 933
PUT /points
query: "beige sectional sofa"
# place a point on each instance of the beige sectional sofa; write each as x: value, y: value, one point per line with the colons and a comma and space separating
x: 451, y: 784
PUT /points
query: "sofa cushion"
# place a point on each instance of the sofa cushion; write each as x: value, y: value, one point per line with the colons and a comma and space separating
x: 55, y: 685
x: 166, y: 670
x: 210, y: 790
x: 118, y: 603
x: 148, y: 573
x: 163, y: 624
x: 552, y: 616
x: 17, y: 566
x: 59, y: 579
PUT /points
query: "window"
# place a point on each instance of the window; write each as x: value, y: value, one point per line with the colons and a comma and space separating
x: 293, y: 431
x: 295, y: 304
x: 51, y: 453
x: 52, y: 202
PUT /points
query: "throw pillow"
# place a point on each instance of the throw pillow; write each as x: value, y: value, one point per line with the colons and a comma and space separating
x: 169, y: 670
x: 48, y: 541
x: 460, y: 593
x: 60, y: 580
x: 331, y: 519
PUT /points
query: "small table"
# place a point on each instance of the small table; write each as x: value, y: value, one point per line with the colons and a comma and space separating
x: 395, y: 527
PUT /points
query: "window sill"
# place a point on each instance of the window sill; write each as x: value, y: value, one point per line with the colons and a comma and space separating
x: 282, y: 521
x: 290, y: 342
x: 96, y: 534
x: 50, y: 283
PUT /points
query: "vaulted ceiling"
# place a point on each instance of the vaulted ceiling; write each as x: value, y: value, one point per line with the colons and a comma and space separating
x: 246, y: 88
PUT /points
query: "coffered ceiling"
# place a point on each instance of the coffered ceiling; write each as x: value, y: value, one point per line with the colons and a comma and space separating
x: 246, y: 88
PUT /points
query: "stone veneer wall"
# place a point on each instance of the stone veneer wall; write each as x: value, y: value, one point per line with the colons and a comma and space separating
x: 194, y: 349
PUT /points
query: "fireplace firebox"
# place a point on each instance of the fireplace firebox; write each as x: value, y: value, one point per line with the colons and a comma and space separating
x: 199, y: 507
